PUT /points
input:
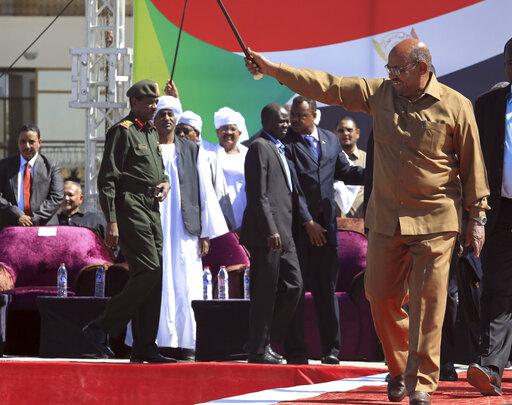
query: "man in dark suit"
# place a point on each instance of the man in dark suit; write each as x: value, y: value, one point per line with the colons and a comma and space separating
x: 494, y: 117
x: 30, y: 184
x: 72, y: 214
x: 276, y: 282
x: 318, y: 161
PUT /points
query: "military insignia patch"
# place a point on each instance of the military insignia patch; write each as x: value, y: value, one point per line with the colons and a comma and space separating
x: 126, y: 124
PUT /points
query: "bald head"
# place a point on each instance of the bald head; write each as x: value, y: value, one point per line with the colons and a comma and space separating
x: 73, y: 198
x: 413, y: 50
x: 409, y: 66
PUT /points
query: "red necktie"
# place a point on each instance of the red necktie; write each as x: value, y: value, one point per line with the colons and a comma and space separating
x: 27, y: 179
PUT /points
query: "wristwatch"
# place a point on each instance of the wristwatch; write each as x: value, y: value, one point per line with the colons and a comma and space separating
x: 481, y: 220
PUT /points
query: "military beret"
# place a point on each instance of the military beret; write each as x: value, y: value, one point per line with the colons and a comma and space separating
x: 144, y: 88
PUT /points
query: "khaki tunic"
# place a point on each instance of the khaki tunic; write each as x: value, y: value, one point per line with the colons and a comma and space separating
x: 427, y: 151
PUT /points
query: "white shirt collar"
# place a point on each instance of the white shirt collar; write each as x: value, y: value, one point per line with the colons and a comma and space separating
x: 31, y: 162
x: 314, y: 134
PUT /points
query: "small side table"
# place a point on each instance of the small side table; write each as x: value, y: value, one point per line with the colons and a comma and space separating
x: 62, y: 320
x: 222, y: 329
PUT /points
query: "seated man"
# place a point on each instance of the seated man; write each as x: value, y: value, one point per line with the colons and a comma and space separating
x: 30, y: 184
x: 71, y: 214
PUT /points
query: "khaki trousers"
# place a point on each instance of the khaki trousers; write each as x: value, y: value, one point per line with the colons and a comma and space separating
x: 410, y: 269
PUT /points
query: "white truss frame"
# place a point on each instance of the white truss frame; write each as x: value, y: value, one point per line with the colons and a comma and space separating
x: 101, y: 73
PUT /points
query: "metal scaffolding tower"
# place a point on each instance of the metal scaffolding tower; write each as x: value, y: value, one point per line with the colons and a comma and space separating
x: 100, y: 75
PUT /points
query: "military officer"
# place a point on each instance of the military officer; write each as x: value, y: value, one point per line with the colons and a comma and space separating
x: 131, y: 183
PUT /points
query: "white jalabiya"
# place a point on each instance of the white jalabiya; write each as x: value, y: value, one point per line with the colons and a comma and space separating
x: 212, y: 218
x: 344, y: 195
x: 182, y: 266
x: 234, y: 173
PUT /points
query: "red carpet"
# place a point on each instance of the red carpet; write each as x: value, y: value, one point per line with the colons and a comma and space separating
x: 458, y: 393
x: 64, y: 382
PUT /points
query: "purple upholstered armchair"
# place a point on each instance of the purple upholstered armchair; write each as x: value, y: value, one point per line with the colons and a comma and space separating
x: 226, y: 250
x: 358, y: 338
x: 29, y: 258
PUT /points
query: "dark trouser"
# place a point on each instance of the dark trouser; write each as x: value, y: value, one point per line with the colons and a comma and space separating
x: 276, y: 285
x: 496, y: 307
x: 448, y: 349
x: 140, y: 238
x: 319, y: 266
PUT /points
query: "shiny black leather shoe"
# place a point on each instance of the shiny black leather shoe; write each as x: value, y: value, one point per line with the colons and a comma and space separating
x: 187, y: 355
x: 447, y: 372
x: 396, y: 388
x: 98, y: 338
x: 330, y: 359
x: 265, y: 358
x: 269, y: 350
x: 485, y: 380
x: 153, y: 359
x: 419, y: 398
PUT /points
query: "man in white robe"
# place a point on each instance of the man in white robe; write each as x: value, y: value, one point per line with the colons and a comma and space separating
x: 188, y: 220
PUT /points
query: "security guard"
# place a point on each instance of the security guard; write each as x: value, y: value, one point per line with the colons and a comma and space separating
x: 131, y: 183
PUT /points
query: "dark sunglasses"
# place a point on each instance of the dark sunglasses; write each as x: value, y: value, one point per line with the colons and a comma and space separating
x: 184, y: 130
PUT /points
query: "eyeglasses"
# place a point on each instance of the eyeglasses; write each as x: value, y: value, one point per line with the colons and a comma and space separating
x: 398, y: 70
x: 183, y: 130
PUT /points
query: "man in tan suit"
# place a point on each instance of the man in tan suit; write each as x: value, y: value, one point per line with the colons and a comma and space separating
x: 427, y: 162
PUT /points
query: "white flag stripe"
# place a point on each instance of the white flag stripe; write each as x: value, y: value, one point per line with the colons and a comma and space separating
x: 457, y: 40
x: 275, y: 395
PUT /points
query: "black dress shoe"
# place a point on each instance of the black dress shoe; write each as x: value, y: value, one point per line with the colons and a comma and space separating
x: 297, y: 360
x: 396, y: 388
x: 419, y: 398
x: 155, y: 359
x: 265, y: 358
x: 98, y: 338
x: 187, y: 355
x: 447, y: 372
x: 484, y: 379
x: 269, y: 350
x: 330, y: 359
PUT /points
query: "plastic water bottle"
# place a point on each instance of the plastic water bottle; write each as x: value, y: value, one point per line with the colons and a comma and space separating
x: 62, y: 281
x: 223, y: 284
x: 207, y: 284
x: 247, y: 283
x: 99, y: 283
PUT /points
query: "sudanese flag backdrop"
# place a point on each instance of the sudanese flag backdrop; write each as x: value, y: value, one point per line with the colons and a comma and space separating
x: 350, y: 37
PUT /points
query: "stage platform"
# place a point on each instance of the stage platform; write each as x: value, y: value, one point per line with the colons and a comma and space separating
x: 65, y: 381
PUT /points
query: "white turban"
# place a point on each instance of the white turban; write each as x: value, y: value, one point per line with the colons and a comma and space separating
x: 318, y: 116
x: 169, y: 103
x: 227, y: 116
x: 192, y: 119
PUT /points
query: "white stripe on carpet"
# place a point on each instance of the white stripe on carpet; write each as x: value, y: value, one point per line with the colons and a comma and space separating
x: 302, y: 391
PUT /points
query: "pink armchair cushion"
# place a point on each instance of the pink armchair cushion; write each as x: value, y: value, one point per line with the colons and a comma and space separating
x: 352, y: 248
x: 34, y: 259
x: 226, y: 251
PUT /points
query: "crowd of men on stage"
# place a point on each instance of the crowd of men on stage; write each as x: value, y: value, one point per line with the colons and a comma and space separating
x: 165, y: 192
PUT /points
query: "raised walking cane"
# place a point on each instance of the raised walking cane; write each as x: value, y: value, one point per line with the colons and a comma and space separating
x: 179, y: 39
x: 257, y: 76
